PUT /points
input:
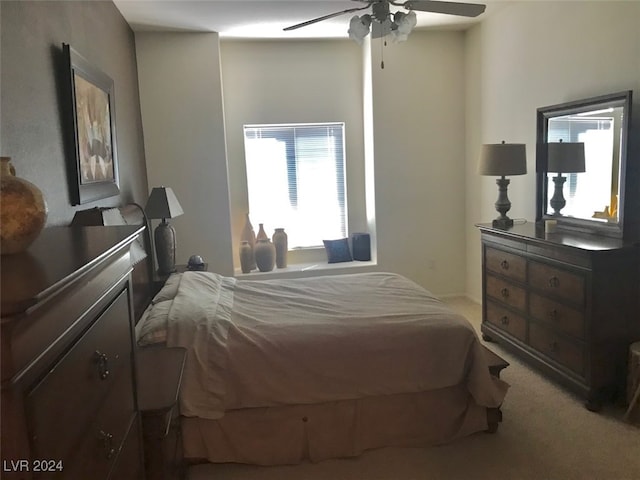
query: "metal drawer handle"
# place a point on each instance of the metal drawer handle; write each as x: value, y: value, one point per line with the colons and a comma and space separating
x: 504, y: 264
x: 504, y: 320
x: 107, y: 443
x: 103, y: 364
x: 505, y: 292
x: 554, y: 282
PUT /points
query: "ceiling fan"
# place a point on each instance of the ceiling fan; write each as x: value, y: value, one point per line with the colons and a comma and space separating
x: 383, y: 21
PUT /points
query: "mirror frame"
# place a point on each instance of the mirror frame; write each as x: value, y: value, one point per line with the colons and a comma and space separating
x: 619, y: 99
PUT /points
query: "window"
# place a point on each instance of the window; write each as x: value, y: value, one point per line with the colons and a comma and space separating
x: 296, y: 180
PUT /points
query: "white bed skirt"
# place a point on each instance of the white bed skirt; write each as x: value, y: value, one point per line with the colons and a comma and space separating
x: 293, y: 434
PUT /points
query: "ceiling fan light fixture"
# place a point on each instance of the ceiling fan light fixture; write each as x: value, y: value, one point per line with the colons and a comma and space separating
x: 382, y: 22
x: 399, y: 25
x: 404, y: 24
x: 359, y: 28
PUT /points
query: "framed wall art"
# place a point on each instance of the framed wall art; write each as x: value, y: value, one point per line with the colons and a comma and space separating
x: 93, y: 166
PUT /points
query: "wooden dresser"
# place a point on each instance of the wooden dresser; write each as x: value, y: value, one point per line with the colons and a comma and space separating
x: 69, y: 407
x: 566, y: 303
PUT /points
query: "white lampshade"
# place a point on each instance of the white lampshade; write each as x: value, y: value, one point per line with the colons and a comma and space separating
x: 565, y: 157
x: 502, y: 159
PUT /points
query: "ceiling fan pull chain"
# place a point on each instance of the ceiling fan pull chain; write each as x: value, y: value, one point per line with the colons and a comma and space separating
x: 383, y: 42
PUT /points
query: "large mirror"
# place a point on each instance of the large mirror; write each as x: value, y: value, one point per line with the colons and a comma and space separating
x: 580, y: 163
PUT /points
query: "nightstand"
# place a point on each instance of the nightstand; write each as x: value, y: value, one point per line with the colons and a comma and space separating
x: 159, y: 372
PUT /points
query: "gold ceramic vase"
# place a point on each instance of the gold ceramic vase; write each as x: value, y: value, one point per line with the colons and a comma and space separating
x: 23, y: 210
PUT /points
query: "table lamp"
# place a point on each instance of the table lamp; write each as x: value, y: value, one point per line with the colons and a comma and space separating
x: 163, y: 204
x: 501, y: 159
x: 563, y: 157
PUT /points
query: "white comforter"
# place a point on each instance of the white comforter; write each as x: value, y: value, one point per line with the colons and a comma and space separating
x: 275, y: 342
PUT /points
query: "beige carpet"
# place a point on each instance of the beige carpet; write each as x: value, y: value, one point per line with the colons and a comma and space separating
x: 546, y: 434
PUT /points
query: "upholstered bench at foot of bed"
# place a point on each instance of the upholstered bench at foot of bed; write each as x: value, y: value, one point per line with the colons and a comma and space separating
x: 496, y: 365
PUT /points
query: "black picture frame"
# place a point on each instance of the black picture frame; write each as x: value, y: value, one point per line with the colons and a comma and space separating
x: 93, y: 163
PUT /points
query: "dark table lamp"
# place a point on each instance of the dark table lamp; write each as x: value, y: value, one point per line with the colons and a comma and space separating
x: 563, y: 158
x: 163, y: 204
x: 500, y: 159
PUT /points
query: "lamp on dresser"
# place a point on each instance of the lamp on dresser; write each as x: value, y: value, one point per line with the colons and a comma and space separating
x: 501, y: 159
x: 163, y: 204
x: 563, y: 157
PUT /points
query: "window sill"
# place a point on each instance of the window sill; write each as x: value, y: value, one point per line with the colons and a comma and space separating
x: 312, y: 269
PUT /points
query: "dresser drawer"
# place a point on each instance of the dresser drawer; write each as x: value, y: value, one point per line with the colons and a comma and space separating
x: 556, y: 347
x: 506, y: 292
x: 507, y: 264
x: 98, y: 450
x: 559, y: 316
x: 513, y: 324
x: 68, y: 399
x: 129, y: 465
x: 556, y: 281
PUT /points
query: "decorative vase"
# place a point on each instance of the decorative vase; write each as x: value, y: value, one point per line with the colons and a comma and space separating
x: 280, y: 242
x: 23, y: 210
x: 265, y: 254
x: 246, y: 257
x: 248, y: 235
x: 262, y: 235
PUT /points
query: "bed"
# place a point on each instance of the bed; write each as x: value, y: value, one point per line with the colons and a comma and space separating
x: 284, y: 371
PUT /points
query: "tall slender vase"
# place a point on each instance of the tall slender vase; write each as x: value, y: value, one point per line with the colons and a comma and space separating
x: 23, y: 210
x: 246, y: 257
x: 280, y: 241
x: 249, y: 236
x: 265, y: 254
x: 262, y: 235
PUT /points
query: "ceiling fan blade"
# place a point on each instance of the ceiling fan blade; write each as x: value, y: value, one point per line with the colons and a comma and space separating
x: 325, y: 17
x: 449, y: 8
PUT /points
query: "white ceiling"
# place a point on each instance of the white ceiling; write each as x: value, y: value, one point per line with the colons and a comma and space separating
x: 264, y: 18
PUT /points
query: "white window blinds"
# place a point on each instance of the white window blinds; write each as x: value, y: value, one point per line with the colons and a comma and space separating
x: 296, y: 180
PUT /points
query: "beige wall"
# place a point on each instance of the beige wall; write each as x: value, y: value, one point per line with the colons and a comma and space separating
x: 270, y: 82
x: 180, y: 85
x: 440, y: 96
x: 528, y: 55
x: 418, y: 130
x: 418, y: 124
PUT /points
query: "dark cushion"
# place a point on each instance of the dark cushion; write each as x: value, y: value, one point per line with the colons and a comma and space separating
x: 337, y: 250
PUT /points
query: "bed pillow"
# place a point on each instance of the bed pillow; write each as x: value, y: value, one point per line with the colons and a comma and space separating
x: 168, y: 290
x: 152, y: 327
x: 337, y: 250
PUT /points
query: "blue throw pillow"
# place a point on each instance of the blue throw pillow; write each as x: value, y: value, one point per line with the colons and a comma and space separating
x: 337, y: 250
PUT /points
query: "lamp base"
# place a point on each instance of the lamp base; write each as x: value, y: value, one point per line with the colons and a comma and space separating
x: 503, y: 205
x: 558, y: 202
x: 502, y: 222
x: 165, y: 240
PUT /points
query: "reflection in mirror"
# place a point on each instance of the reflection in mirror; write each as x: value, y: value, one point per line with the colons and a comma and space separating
x: 594, y: 192
x: 585, y: 192
x: 563, y: 157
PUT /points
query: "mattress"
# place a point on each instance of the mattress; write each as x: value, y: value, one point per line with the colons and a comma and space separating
x: 257, y: 344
